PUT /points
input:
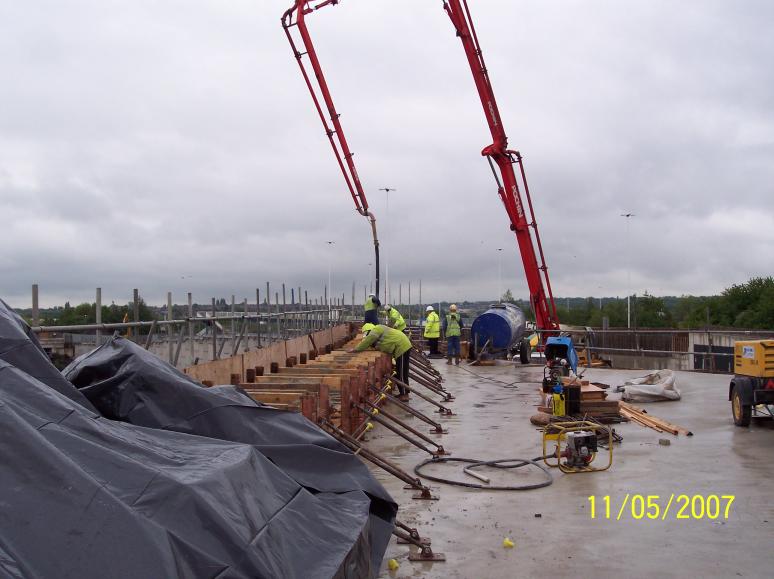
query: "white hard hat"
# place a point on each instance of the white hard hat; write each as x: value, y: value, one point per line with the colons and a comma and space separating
x: 388, y: 307
x: 429, y: 309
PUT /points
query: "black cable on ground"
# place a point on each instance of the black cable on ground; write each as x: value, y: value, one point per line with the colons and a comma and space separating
x: 482, y: 377
x: 493, y: 463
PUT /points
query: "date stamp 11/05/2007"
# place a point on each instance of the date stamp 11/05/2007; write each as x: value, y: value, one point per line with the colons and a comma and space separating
x: 661, y: 507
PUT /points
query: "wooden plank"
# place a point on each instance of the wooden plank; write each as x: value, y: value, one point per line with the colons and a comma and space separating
x: 643, y: 417
x: 566, y: 380
x: 585, y: 397
x: 334, y: 381
x: 600, y: 404
x: 306, y: 387
x: 321, y: 391
x: 278, y: 396
x: 307, y: 402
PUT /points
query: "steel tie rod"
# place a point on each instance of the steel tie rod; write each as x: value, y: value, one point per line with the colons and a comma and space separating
x: 437, y: 427
x: 396, y: 430
x: 441, y: 408
x: 411, y: 429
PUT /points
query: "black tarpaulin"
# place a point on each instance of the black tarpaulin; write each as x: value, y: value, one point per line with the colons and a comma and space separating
x: 87, y: 496
x: 19, y: 347
x: 127, y: 383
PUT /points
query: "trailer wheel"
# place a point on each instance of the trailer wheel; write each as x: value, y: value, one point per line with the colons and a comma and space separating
x: 742, y: 412
x: 524, y: 352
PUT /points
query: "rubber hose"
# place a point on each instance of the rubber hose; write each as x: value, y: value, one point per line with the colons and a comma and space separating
x: 493, y: 463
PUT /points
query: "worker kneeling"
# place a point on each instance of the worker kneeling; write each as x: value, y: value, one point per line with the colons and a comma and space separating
x: 391, y: 342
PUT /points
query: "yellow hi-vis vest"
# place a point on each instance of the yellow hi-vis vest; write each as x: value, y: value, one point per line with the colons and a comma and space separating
x: 452, y: 325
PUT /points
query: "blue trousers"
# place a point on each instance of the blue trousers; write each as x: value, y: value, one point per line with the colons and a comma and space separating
x: 453, y: 346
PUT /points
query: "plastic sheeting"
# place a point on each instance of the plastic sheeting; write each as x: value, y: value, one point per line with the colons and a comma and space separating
x: 87, y: 495
x: 654, y: 387
x: 127, y: 383
x: 19, y: 347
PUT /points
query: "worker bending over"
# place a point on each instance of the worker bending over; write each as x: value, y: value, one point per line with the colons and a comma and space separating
x: 432, y: 330
x: 371, y: 306
x: 391, y: 342
x: 394, y: 319
x: 452, y: 327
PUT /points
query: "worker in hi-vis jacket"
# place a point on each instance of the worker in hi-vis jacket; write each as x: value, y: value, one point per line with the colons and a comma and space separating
x: 391, y: 342
x: 432, y: 330
x: 371, y: 306
x: 452, y: 327
x: 394, y: 319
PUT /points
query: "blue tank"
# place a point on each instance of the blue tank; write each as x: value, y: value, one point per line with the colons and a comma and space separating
x: 503, y: 324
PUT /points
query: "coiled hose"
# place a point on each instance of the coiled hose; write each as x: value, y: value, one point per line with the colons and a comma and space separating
x: 475, y: 463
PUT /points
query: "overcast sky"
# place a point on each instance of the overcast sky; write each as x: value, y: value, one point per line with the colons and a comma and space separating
x: 172, y: 145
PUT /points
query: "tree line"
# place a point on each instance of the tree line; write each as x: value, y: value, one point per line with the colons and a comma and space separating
x: 748, y: 305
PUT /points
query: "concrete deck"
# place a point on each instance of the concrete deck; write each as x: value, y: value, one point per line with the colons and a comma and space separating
x: 493, y: 422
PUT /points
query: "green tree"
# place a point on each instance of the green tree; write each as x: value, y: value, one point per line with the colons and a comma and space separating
x: 650, y: 312
x: 508, y: 297
x: 748, y: 305
x: 86, y: 313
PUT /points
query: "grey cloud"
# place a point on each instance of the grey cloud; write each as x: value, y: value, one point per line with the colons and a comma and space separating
x: 173, y: 146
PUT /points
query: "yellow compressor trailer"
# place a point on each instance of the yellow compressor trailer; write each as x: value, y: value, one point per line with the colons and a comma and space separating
x: 751, y: 391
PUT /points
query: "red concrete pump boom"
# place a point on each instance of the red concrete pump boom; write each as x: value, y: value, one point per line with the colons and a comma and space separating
x: 294, y: 17
x: 497, y: 153
x: 541, y: 297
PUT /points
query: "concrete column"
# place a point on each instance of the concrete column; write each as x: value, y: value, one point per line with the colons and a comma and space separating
x: 98, y: 314
x: 169, y: 329
x: 35, y: 307
x: 136, y: 313
x: 258, y: 318
x: 214, y: 333
x: 191, y: 329
x: 233, y: 325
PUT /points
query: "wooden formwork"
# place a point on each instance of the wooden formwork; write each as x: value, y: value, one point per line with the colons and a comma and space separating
x: 332, y: 386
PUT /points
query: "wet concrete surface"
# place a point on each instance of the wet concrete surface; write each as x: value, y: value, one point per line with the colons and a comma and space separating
x: 492, y: 422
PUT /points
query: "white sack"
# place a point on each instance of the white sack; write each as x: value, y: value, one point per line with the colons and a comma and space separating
x: 651, y: 388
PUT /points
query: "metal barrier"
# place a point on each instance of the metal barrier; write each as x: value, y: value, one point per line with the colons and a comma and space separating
x: 263, y: 329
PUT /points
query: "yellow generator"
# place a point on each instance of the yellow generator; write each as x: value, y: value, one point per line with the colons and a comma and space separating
x: 752, y: 390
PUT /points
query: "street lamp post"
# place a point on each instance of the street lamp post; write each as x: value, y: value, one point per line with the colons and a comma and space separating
x: 628, y: 271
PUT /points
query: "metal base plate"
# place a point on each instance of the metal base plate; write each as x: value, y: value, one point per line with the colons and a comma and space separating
x: 442, y: 431
x: 421, y: 497
x: 419, y: 557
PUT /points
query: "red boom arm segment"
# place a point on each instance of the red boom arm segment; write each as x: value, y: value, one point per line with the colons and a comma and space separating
x: 295, y: 17
x: 541, y: 297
